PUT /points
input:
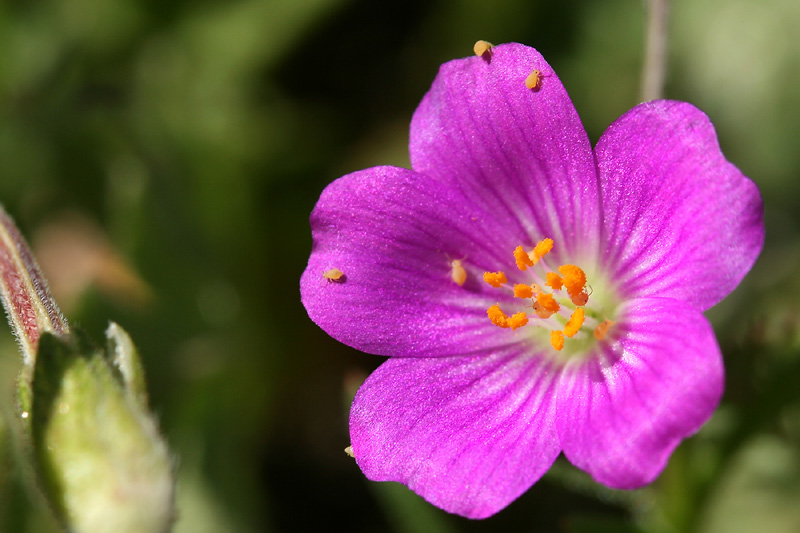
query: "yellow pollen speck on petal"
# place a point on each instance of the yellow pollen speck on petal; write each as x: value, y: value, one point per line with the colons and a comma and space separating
x: 523, y: 261
x: 457, y: 272
x: 541, y: 249
x: 495, y: 279
x: 574, y: 279
x: 533, y: 79
x: 333, y: 274
x: 481, y: 48
x: 518, y: 320
x: 523, y: 291
x: 574, y: 323
x: 557, y: 340
x: 349, y: 451
x: 601, y: 330
x: 554, y: 281
x: 497, y: 316
x: 545, y: 305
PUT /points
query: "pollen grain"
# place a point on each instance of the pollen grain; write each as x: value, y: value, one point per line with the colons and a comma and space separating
x: 574, y: 323
x: 497, y: 316
x: 541, y: 249
x: 458, y: 273
x: 545, y: 305
x: 533, y: 81
x: 523, y: 291
x: 522, y: 258
x: 554, y: 281
x: 557, y: 340
x: 483, y: 49
x: 495, y: 279
x: 334, y: 274
x: 518, y: 320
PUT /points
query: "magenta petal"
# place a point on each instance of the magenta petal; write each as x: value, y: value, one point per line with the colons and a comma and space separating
x: 523, y: 154
x: 468, y: 434
x: 681, y: 221
x: 623, y: 411
x: 393, y: 233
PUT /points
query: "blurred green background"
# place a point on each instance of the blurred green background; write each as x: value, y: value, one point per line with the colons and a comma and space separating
x: 163, y: 158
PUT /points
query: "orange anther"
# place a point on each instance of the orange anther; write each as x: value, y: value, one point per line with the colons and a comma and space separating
x: 541, y: 249
x: 554, y: 281
x: 523, y: 261
x: 518, y: 320
x: 574, y: 279
x: 497, y: 316
x: 545, y: 305
x: 557, y: 339
x: 574, y: 323
x: 523, y: 291
x: 495, y: 279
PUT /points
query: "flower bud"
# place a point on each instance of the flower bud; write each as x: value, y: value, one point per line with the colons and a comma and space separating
x: 102, y: 463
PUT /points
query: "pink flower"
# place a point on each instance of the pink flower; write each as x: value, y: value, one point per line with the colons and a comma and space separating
x: 603, y: 354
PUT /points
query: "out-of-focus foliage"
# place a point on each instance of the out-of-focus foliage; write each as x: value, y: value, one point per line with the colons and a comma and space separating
x: 163, y: 158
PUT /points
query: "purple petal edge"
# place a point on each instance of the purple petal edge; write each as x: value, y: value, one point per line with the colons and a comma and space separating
x: 680, y: 220
x: 394, y: 233
x: 621, y: 414
x: 521, y: 153
x: 467, y: 434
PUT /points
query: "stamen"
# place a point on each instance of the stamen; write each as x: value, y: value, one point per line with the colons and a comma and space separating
x: 523, y: 291
x: 545, y: 305
x: 557, y: 340
x: 481, y: 49
x: 532, y: 81
x: 457, y: 272
x: 554, y: 281
x: 541, y: 249
x: 497, y: 316
x: 574, y: 323
x: 574, y: 280
x: 570, y: 278
x: 522, y: 258
x: 601, y: 330
x: 495, y: 279
x: 518, y: 320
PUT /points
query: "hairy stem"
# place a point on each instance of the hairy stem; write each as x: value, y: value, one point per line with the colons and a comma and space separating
x: 30, y: 307
x: 655, y: 55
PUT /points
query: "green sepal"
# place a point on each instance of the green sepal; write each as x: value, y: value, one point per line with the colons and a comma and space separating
x: 101, y: 461
x: 124, y: 357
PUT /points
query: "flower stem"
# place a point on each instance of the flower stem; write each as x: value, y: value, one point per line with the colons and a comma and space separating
x: 30, y: 307
x: 655, y: 55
